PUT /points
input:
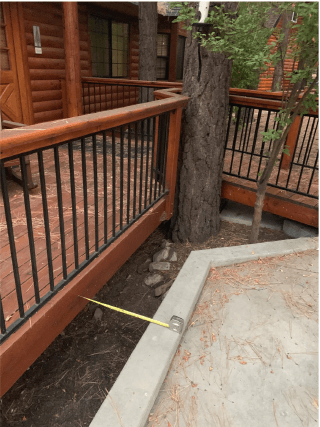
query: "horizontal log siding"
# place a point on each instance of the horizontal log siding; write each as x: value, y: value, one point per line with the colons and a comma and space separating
x: 85, y: 51
x: 46, y: 69
x: 266, y: 78
x: 134, y: 51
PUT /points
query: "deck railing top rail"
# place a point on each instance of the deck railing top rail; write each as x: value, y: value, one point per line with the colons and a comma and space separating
x: 30, y: 138
x: 127, y: 82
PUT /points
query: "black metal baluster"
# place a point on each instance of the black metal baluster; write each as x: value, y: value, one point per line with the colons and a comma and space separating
x: 249, y: 134
x: 228, y: 128
x: 305, y: 156
x: 113, y: 184
x: 46, y: 218
x: 134, y: 202
x: 314, y: 168
x: 12, y: 245
x: 304, y: 137
x: 254, y: 140
x: 95, y: 192
x: 105, y: 187
x: 30, y: 229
x: 60, y: 210
x: 129, y: 174
x: 246, y: 119
x: 263, y: 144
x: 89, y: 97
x: 315, y: 120
x: 147, y: 164
x: 121, y: 177
x: 85, y: 195
x: 235, y: 139
x: 152, y: 156
x: 141, y: 163
x: 2, y: 320
x: 165, y: 146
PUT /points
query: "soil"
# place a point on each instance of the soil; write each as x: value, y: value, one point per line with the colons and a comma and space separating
x: 66, y: 385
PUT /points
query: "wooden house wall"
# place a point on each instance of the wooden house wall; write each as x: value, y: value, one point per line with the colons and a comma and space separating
x: 266, y: 77
x: 46, y: 69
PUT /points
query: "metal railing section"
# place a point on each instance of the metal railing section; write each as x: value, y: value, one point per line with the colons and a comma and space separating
x: 101, y: 94
x: 92, y: 189
x: 246, y: 153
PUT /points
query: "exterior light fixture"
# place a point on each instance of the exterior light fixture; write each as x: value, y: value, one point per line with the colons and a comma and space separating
x: 204, y: 11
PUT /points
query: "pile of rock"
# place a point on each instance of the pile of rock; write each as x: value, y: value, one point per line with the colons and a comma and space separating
x: 160, y: 262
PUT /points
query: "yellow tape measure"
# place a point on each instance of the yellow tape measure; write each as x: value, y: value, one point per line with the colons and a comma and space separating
x: 129, y: 313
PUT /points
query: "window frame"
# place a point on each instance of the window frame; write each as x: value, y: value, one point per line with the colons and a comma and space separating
x: 167, y: 58
x: 110, y: 21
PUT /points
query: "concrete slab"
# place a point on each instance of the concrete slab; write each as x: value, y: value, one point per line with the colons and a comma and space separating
x: 296, y: 230
x: 242, y: 214
x: 250, y: 354
x: 132, y: 396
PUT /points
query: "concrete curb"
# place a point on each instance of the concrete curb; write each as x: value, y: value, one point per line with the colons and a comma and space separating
x: 133, y: 394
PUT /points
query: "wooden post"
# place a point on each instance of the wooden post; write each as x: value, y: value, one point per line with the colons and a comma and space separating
x: 21, y: 58
x: 64, y: 98
x: 292, y: 139
x: 172, y: 159
x: 173, y: 52
x: 72, y: 52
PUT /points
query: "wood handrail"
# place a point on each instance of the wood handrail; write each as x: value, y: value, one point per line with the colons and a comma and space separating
x: 44, y: 135
x: 264, y: 103
x: 127, y: 82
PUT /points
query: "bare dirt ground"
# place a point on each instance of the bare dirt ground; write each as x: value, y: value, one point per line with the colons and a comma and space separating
x: 68, y: 382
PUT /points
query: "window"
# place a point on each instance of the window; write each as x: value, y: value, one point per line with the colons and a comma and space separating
x: 5, y: 63
x: 109, y: 47
x: 162, y: 56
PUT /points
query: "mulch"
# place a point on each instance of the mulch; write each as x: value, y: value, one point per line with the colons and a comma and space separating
x: 66, y: 385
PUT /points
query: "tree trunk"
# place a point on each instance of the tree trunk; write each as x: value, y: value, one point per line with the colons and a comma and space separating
x: 279, y: 67
x: 206, y: 82
x: 148, y: 27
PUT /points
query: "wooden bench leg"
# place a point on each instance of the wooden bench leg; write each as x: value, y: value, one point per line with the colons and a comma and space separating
x: 18, y: 178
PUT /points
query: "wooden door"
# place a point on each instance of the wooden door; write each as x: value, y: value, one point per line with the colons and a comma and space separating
x: 10, y: 102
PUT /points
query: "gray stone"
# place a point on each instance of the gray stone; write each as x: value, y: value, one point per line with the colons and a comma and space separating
x: 172, y: 256
x: 153, y: 279
x: 142, y: 268
x: 159, y: 266
x: 296, y: 229
x: 161, y: 255
x: 165, y: 244
x: 98, y: 314
x: 162, y: 288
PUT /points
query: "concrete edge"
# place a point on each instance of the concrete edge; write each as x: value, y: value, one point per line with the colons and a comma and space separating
x: 131, y: 398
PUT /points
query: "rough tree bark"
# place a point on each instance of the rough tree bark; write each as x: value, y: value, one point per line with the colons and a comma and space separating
x: 206, y: 81
x: 148, y: 27
x: 283, y: 45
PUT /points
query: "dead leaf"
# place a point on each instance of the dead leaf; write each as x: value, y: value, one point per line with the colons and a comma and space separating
x: 214, y: 338
x: 243, y: 362
x: 24, y: 418
x: 169, y: 425
x: 194, y: 385
x: 252, y: 252
x: 8, y: 317
x: 201, y: 339
x: 315, y: 403
x: 211, y: 368
x: 289, y: 357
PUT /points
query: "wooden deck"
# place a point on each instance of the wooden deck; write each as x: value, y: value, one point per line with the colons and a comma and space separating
x: 243, y: 160
x: 125, y: 206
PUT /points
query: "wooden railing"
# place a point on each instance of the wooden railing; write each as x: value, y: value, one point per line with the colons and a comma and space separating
x: 110, y: 177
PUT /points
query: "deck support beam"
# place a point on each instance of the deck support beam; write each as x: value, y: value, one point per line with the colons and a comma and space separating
x: 276, y: 205
x: 72, y: 52
x: 174, y: 35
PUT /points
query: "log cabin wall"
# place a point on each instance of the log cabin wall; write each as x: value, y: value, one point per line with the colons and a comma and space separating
x: 266, y: 77
x: 48, y: 68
